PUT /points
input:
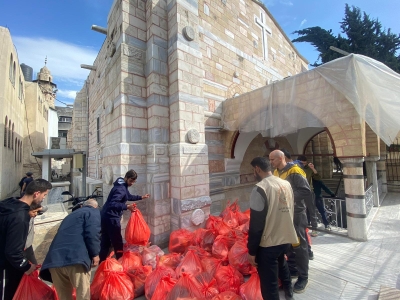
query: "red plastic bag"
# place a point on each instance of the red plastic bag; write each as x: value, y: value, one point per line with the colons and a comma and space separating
x: 171, y: 260
x: 130, y: 261
x: 221, y: 247
x: 137, y: 231
x: 180, y: 240
x: 229, y: 279
x: 227, y: 295
x: 244, y: 227
x: 154, y: 278
x: 211, y: 264
x: 230, y: 219
x: 200, y: 252
x: 32, y: 288
x: 251, y: 290
x: 190, y: 264
x: 150, y: 256
x: 198, y: 236
x: 208, y: 285
x: 117, y: 286
x: 163, y: 288
x: 138, y: 278
x: 213, y: 223
x: 208, y: 240
x: 56, y: 296
x: 238, y: 258
x: 110, y: 264
x: 185, y: 288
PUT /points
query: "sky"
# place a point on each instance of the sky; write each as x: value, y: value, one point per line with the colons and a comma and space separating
x: 61, y: 31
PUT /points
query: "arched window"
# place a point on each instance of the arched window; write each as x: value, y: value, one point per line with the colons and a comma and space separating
x: 20, y: 88
x: 10, y: 71
x: 16, y: 151
x: 13, y: 79
x: 12, y: 137
x: 20, y: 151
x: 9, y: 134
x: 5, y: 132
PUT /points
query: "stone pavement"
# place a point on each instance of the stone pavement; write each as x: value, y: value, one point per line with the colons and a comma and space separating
x: 347, y: 269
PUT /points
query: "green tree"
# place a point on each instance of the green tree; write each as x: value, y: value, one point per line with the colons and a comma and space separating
x: 360, y: 35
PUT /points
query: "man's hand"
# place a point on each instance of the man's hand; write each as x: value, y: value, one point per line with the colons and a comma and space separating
x: 145, y: 196
x: 95, y: 261
x: 311, y: 166
x: 252, y: 260
x: 131, y: 207
x: 31, y: 269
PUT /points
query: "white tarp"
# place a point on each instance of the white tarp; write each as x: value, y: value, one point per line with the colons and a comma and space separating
x: 342, y: 92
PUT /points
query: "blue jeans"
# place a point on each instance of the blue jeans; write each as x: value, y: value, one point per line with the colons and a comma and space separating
x: 319, y: 203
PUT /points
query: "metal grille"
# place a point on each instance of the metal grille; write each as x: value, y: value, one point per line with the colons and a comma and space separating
x: 369, y: 202
x: 393, y: 162
x: 335, y: 213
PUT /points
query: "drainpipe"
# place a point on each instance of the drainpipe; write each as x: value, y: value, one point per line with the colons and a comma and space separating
x: 84, y: 171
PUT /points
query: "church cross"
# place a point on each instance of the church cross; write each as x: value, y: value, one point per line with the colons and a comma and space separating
x: 265, y: 29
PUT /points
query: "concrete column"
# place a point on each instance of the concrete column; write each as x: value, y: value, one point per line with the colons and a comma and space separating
x: 355, y: 198
x: 370, y: 163
x: 46, y: 168
x: 189, y: 169
x: 381, y: 168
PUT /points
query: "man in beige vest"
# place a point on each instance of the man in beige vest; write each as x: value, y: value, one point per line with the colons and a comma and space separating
x: 271, y: 230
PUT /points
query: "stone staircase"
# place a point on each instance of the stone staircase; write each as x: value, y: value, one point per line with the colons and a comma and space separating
x: 332, y: 184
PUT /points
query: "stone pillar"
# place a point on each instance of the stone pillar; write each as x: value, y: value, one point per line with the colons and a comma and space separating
x: 158, y: 168
x: 370, y: 163
x: 381, y: 169
x: 355, y: 198
x: 188, y: 152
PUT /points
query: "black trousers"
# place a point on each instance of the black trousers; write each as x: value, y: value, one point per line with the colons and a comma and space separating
x: 298, y: 256
x: 111, y: 236
x: 271, y: 266
x: 11, y: 278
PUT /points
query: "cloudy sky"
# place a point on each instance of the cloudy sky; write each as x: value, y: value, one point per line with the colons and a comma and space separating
x: 61, y: 31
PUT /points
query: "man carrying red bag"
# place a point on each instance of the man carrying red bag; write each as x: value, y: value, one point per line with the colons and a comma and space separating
x: 112, y: 212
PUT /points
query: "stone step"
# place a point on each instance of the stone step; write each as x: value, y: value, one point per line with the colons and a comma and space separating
x: 388, y: 293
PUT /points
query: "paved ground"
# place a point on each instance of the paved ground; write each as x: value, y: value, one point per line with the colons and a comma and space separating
x: 346, y: 269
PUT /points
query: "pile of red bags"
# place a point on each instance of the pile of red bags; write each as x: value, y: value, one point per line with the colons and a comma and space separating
x: 32, y: 288
x: 207, y: 264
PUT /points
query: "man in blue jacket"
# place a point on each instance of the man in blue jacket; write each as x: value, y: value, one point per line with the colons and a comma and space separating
x: 73, y: 252
x: 112, y: 212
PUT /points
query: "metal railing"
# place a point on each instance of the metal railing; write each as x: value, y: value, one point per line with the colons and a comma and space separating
x: 335, y: 213
x: 369, y: 199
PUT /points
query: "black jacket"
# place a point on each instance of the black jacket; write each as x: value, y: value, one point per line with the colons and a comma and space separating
x: 116, y: 201
x: 77, y: 241
x: 14, y: 225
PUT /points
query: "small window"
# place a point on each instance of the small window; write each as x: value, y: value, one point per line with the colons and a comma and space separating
x: 20, y: 89
x: 16, y: 151
x: 98, y: 130
x: 10, y: 71
x: 13, y: 78
x: 5, y: 132
x: 62, y: 133
x: 12, y: 137
x: 65, y: 119
x: 9, y: 134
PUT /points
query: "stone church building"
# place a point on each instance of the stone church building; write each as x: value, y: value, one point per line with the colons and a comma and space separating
x: 155, y: 101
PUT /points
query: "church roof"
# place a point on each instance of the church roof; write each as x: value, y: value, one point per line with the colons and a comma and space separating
x: 332, y: 94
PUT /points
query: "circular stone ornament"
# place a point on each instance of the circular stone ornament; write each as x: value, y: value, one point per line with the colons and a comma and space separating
x: 198, y: 217
x: 193, y: 136
x: 188, y: 33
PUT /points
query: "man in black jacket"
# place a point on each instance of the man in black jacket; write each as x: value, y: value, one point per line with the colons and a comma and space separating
x: 14, y: 225
x: 73, y: 252
x: 298, y: 254
x: 111, y: 214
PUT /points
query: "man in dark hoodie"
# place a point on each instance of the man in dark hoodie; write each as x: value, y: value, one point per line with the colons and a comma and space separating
x: 112, y: 212
x: 14, y: 225
x: 301, y: 190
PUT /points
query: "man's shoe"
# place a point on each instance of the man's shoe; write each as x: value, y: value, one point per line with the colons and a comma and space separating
x: 300, y: 285
x: 310, y: 255
x: 328, y: 227
x: 314, y: 233
x: 288, y: 293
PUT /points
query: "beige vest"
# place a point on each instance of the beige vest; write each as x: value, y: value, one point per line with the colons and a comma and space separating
x: 279, y: 227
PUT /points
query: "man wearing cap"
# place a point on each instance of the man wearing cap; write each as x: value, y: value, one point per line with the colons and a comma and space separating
x: 26, y: 181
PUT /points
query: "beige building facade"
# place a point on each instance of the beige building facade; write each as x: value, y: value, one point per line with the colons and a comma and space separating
x: 153, y: 100
x: 24, y: 118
